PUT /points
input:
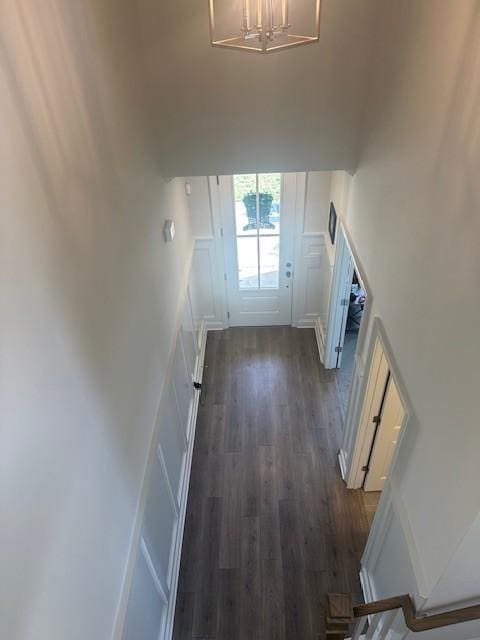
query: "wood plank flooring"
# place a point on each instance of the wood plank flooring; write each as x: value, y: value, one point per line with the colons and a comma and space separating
x: 270, y: 526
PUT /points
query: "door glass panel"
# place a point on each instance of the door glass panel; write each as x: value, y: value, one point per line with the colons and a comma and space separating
x: 247, y: 256
x: 269, y: 188
x: 269, y: 261
x: 257, y: 200
x: 245, y: 196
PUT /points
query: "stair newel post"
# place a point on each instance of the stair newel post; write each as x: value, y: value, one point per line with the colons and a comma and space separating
x: 338, y: 616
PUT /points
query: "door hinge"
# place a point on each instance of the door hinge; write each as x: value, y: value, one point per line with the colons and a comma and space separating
x: 224, y: 276
x: 218, y: 180
x: 221, y: 231
x: 366, y: 468
x: 197, y: 385
x: 376, y: 420
x: 344, y: 302
x: 338, y: 349
x: 228, y: 314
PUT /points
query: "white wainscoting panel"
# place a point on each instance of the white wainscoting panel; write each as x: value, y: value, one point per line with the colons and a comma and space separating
x: 189, y: 337
x: 313, y: 274
x: 160, y: 520
x: 153, y: 589
x: 147, y: 604
x: 207, y: 287
x: 352, y: 420
x: 390, y: 563
x: 173, y: 440
x: 183, y: 384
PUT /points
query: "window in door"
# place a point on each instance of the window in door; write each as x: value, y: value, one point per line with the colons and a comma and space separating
x: 257, y: 229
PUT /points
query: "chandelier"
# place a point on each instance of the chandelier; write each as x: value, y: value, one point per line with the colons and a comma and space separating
x: 264, y: 26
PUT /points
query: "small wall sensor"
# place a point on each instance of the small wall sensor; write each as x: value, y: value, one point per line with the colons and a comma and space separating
x: 169, y: 230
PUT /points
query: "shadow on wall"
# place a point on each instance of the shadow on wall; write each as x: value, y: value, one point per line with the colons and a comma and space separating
x: 103, y: 293
x: 461, y: 130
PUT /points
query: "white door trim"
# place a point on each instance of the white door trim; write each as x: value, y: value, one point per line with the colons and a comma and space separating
x: 336, y: 324
x: 282, y: 315
x: 356, y: 433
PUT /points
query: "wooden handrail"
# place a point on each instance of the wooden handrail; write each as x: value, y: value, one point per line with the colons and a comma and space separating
x: 340, y: 613
x: 414, y: 623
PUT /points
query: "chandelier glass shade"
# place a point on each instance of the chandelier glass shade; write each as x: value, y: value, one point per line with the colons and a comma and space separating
x: 264, y: 26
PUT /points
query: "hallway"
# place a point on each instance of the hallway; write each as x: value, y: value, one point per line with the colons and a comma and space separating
x: 270, y: 526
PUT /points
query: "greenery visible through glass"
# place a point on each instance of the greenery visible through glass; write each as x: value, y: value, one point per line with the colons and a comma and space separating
x: 257, y: 215
x: 270, y: 183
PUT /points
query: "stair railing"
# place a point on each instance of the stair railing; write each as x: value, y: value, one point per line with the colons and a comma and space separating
x: 341, y: 614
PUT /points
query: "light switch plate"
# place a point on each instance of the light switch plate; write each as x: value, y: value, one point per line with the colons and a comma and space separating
x: 169, y: 230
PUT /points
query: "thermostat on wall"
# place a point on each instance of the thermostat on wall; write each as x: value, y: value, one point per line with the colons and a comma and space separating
x: 169, y: 230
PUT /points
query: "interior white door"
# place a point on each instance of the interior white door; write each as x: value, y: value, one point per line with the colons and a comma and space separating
x: 391, y: 418
x: 339, y: 301
x: 258, y: 218
x: 377, y: 381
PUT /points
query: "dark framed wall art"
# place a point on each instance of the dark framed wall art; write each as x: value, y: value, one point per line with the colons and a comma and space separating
x: 332, y: 222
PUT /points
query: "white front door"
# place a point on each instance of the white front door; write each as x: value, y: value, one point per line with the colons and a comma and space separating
x: 258, y: 214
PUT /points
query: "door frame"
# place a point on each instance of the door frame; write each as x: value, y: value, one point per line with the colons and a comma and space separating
x: 336, y: 323
x: 289, y: 181
x: 358, y: 432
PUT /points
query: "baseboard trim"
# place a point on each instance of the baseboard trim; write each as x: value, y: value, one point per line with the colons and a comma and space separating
x: 366, y: 583
x: 304, y: 323
x: 342, y: 461
x: 320, y: 335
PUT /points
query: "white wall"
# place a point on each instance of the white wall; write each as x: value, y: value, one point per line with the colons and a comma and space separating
x: 200, y: 207
x: 313, y: 255
x: 208, y: 294
x: 220, y: 112
x: 412, y: 217
x: 317, y: 201
x: 91, y: 300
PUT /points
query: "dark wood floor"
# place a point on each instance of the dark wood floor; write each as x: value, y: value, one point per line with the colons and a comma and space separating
x: 270, y: 526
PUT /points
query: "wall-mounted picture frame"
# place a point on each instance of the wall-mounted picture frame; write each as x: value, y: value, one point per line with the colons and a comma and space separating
x: 332, y: 222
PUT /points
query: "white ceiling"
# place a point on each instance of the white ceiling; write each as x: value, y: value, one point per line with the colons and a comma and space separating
x: 222, y: 111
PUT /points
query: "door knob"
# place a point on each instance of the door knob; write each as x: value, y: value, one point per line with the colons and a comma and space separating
x: 288, y: 274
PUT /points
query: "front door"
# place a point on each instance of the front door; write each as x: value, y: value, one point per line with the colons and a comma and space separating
x: 258, y: 213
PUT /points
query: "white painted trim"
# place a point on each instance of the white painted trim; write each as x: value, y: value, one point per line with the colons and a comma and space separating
x: 320, y: 336
x: 368, y: 588
x: 344, y: 243
x: 202, y: 342
x: 157, y: 582
x: 415, y: 557
x: 300, y: 318
x: 140, y: 509
x: 355, y: 433
x: 175, y: 552
x: 177, y: 544
x: 391, y: 504
x: 184, y: 483
x: 217, y: 226
x: 216, y: 326
x: 378, y: 532
x: 342, y: 462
